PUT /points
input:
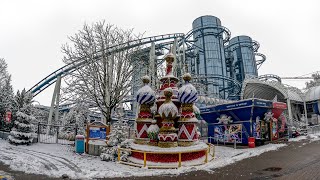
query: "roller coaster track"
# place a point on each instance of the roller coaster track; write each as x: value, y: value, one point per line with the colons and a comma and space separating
x: 259, y: 62
x: 266, y: 77
x: 63, y: 71
x: 254, y: 45
x: 221, y: 30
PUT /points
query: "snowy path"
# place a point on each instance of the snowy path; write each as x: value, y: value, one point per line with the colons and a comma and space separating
x: 55, y: 160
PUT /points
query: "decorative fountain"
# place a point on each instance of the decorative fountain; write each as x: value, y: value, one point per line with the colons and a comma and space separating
x: 177, y: 139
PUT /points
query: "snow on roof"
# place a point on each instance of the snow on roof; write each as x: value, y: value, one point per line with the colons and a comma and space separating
x: 313, y: 94
x: 253, y: 87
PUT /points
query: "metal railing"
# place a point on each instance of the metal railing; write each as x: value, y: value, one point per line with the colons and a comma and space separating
x: 56, y: 134
x: 313, y: 129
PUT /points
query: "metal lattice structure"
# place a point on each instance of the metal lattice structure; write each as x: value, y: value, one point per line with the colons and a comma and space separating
x: 193, y: 52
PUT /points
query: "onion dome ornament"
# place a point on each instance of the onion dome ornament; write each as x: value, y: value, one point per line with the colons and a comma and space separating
x: 168, y: 112
x: 187, y: 95
x: 146, y: 95
x: 153, y: 132
x: 145, y: 98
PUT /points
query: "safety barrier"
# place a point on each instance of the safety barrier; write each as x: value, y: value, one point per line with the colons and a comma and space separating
x: 313, y: 129
x: 209, y: 151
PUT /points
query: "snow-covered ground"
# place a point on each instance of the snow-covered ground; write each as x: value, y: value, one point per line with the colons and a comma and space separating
x: 312, y: 137
x: 56, y: 160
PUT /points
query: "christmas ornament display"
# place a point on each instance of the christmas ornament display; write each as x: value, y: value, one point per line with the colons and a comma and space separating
x: 174, y: 124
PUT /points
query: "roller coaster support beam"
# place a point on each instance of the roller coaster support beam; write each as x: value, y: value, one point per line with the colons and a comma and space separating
x: 152, y: 65
x: 54, y: 104
x: 174, y: 52
x: 289, y: 110
x: 305, y: 112
x: 185, y: 66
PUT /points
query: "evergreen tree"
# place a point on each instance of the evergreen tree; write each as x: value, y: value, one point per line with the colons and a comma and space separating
x: 119, y: 132
x: 77, y: 115
x: 117, y: 138
x: 22, y: 131
x: 6, y: 90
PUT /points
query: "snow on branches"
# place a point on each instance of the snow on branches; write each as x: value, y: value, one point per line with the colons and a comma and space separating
x: 22, y: 131
x: 105, y: 65
x: 117, y: 138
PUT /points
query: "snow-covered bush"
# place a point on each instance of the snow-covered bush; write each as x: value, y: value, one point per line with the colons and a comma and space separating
x: 117, y: 138
x: 70, y: 136
x: 110, y: 153
x: 119, y: 132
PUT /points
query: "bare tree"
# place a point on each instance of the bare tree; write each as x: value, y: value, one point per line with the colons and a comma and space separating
x: 315, y: 81
x: 105, y: 78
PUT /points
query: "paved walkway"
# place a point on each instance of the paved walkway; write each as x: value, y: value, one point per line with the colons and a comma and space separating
x: 6, y: 172
x: 299, y: 160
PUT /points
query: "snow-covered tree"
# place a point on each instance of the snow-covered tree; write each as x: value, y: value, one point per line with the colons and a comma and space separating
x: 22, y: 131
x: 315, y: 81
x: 76, y: 116
x: 41, y: 113
x: 6, y: 90
x: 103, y: 76
x: 119, y: 132
x: 117, y: 138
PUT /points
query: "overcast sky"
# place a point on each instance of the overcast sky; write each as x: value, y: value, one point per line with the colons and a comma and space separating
x: 32, y: 31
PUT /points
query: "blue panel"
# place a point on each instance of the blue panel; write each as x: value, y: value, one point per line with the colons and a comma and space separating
x: 316, y: 108
x: 241, y: 112
x: 97, y: 133
x: 226, y: 133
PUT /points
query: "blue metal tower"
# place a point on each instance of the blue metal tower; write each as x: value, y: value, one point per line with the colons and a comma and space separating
x: 210, y: 59
x: 242, y: 51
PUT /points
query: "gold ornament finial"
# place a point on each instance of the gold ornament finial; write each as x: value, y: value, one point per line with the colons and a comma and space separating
x: 168, y: 93
x: 186, y: 77
x: 169, y: 57
x: 145, y: 79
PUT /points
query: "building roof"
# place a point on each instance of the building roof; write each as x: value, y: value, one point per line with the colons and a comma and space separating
x: 313, y: 94
x: 253, y: 87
